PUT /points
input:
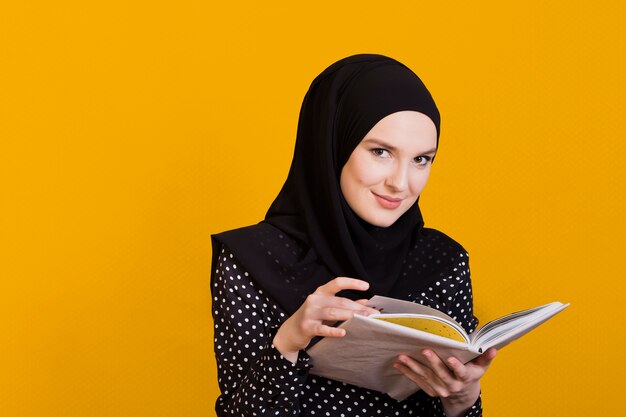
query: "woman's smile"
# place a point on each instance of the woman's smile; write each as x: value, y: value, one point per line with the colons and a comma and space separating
x: 387, y: 202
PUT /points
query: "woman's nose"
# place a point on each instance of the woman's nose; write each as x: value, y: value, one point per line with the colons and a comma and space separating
x: 398, y: 178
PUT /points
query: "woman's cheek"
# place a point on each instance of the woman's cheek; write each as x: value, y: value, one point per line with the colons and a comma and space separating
x: 371, y: 175
x: 419, y: 182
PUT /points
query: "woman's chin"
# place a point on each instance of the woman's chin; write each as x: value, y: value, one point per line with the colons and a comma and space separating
x: 381, y: 221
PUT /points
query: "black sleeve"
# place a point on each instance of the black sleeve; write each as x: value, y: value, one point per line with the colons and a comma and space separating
x: 460, y: 304
x: 254, y: 378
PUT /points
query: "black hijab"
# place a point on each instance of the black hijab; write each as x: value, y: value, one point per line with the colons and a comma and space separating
x: 310, y: 234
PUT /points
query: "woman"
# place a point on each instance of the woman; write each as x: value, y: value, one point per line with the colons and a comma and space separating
x: 345, y: 226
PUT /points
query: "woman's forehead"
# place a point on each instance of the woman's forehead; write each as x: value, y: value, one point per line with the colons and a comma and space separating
x: 404, y: 127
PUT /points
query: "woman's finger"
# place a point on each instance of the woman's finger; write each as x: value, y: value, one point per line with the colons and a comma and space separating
x: 419, y: 379
x: 438, y: 367
x: 340, y: 314
x: 458, y: 368
x: 328, y: 331
x: 474, y: 369
x: 325, y: 307
x: 342, y: 283
x: 485, y: 359
x: 442, y: 385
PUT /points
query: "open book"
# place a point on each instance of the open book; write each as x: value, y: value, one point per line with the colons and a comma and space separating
x: 365, y: 355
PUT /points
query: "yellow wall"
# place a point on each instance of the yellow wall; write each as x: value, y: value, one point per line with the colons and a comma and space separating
x: 130, y: 131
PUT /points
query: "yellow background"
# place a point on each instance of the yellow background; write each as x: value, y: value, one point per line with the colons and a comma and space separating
x: 131, y: 131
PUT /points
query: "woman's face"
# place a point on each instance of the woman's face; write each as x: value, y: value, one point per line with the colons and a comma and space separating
x: 388, y: 170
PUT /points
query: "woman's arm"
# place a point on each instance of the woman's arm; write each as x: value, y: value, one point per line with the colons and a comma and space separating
x: 262, y: 364
x: 254, y: 378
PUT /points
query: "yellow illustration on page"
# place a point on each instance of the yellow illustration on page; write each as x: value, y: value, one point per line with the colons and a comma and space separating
x: 426, y: 325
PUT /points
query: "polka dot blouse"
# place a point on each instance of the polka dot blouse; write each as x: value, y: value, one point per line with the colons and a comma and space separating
x: 256, y: 380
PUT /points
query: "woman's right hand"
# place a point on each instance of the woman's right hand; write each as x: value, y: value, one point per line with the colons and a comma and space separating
x: 317, y: 314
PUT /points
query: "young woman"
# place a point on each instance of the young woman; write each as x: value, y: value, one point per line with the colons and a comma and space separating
x: 345, y: 226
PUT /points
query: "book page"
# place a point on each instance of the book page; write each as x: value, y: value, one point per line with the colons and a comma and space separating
x: 432, y: 325
x: 393, y: 306
x: 502, y: 331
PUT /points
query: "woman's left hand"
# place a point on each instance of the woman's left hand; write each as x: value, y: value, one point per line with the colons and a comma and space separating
x: 457, y: 385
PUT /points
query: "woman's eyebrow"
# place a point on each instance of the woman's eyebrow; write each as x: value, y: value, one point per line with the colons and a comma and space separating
x: 381, y: 143
x: 433, y: 150
x: 392, y: 148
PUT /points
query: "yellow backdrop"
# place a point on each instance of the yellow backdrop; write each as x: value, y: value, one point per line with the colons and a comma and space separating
x: 131, y: 131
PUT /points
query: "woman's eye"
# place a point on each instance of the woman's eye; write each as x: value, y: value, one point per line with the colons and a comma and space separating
x: 423, y: 160
x: 383, y: 153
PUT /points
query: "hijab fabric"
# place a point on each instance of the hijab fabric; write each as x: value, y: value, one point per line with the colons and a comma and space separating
x: 310, y: 234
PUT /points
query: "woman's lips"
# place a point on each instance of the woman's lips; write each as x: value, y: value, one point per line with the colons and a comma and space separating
x: 387, y: 202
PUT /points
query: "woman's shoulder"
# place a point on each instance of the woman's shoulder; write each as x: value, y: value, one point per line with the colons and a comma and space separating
x: 437, y: 240
x: 250, y: 231
x: 261, y: 248
x: 230, y: 241
x: 257, y: 235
